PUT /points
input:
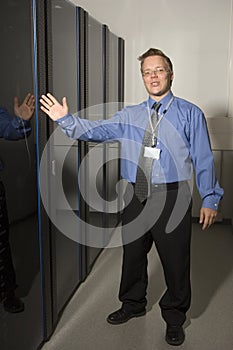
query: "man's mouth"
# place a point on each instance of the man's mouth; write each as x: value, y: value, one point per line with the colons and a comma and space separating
x: 155, y: 84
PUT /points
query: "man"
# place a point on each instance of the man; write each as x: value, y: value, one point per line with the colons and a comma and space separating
x: 173, y: 144
x: 11, y: 128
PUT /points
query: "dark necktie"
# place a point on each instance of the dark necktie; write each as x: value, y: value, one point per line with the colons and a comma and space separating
x: 143, y: 176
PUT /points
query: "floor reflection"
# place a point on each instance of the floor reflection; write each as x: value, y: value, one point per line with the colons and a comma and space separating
x: 17, y: 330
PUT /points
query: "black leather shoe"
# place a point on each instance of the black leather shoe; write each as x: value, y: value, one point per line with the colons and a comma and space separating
x: 122, y: 316
x: 13, y: 304
x: 175, y: 335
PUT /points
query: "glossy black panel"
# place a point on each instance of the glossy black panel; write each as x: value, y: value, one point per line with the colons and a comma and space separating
x: 64, y: 154
x: 19, y: 236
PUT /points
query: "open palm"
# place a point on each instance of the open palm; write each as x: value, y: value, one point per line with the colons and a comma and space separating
x: 26, y: 109
x: 52, y: 107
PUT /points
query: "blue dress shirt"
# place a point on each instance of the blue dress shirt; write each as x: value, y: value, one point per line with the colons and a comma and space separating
x: 12, y: 128
x: 183, y: 142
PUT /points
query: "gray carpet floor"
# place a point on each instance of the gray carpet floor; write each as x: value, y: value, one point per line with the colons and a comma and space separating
x: 209, y: 324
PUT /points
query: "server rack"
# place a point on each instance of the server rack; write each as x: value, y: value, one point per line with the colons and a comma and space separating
x: 24, y: 330
x: 56, y: 262
x: 90, y: 93
x: 113, y: 98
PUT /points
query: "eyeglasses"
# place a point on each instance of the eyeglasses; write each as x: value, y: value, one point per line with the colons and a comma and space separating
x: 158, y: 71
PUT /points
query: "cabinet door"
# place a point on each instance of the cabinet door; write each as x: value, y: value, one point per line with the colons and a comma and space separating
x: 20, y: 265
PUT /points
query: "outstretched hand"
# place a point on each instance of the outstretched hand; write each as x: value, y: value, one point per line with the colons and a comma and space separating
x: 52, y: 107
x: 26, y: 109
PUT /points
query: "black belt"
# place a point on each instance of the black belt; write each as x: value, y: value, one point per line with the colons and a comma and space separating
x: 166, y: 186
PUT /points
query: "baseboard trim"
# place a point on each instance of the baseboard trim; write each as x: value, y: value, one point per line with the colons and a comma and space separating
x: 222, y: 222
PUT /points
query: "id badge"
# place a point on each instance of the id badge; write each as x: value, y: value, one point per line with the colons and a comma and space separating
x: 152, y: 152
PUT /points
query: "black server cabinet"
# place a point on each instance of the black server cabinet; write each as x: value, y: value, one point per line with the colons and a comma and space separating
x: 52, y: 46
x: 100, y: 94
x: 90, y: 100
x: 74, y: 60
x: 113, y: 98
x: 79, y: 58
x: 65, y: 248
x: 23, y: 330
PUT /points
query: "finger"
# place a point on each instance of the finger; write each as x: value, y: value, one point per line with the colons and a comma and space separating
x: 52, y: 98
x: 32, y: 107
x: 45, y: 110
x: 31, y: 104
x: 209, y: 220
x: 212, y: 219
x: 31, y: 100
x: 27, y: 99
x: 46, y: 102
x: 16, y: 102
x: 64, y: 102
x: 205, y: 224
x: 204, y: 219
x: 201, y: 217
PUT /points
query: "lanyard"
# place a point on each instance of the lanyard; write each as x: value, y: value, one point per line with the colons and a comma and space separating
x: 160, y: 117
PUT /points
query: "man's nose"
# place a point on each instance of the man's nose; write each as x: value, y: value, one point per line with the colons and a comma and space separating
x: 154, y: 73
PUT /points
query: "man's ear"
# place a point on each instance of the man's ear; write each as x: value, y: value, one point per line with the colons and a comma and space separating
x: 172, y: 77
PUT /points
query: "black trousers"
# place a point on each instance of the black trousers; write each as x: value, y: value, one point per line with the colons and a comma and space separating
x: 165, y: 220
x: 7, y: 272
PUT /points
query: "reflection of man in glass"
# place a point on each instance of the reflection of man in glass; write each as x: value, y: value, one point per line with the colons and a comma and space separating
x: 11, y: 128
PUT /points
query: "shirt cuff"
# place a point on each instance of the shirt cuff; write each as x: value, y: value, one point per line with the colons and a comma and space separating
x: 19, y: 122
x: 211, y: 201
x: 65, y: 121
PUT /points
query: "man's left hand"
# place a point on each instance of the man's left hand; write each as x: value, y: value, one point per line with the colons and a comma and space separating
x: 207, y: 217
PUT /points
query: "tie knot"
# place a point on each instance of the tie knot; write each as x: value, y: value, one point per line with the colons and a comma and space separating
x: 156, y: 106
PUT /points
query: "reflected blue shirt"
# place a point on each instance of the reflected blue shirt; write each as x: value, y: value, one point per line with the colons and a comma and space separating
x: 183, y: 142
x: 12, y: 128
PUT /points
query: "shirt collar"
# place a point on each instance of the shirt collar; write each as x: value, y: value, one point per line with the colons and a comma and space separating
x: 164, y: 101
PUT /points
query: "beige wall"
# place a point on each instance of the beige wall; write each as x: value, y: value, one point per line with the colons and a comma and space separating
x: 195, y: 34
x: 230, y: 109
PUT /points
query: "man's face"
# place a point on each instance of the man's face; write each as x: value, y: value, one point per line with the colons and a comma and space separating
x: 157, y: 77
